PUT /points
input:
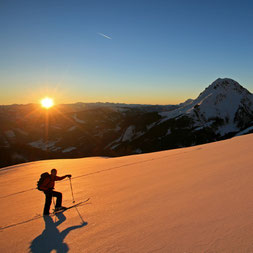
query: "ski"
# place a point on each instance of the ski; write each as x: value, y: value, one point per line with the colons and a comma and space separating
x: 69, y: 207
x: 39, y: 216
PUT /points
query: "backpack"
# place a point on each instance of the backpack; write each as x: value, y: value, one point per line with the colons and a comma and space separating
x: 43, y: 176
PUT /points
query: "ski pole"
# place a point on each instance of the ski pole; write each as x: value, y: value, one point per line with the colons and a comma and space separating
x: 54, y: 209
x: 53, y: 202
x: 71, y: 189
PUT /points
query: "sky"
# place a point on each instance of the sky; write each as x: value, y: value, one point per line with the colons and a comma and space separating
x: 144, y: 52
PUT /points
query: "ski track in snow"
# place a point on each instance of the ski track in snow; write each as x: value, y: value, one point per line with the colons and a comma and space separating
x: 88, y: 174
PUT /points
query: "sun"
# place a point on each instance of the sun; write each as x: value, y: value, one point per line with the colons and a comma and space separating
x: 47, y: 102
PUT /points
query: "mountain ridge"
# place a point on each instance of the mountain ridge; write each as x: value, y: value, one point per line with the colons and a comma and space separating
x: 224, y: 109
x: 221, y: 99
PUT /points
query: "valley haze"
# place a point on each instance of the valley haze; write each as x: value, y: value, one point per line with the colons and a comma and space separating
x: 28, y: 132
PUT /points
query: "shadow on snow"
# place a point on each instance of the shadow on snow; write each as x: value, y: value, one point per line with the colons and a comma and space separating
x: 51, y: 238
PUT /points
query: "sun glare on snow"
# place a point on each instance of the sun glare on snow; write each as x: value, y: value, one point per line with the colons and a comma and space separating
x: 47, y: 102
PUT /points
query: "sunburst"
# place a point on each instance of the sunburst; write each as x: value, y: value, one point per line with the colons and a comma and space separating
x: 47, y: 102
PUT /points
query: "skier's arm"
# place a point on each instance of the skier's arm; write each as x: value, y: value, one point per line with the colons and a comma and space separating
x: 61, y: 178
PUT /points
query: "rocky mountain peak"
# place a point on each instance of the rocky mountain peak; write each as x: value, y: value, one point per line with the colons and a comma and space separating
x: 224, y: 86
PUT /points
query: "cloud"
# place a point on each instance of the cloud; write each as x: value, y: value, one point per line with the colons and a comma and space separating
x: 105, y: 36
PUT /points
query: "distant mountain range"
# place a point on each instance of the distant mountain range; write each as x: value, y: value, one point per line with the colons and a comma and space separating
x: 27, y: 132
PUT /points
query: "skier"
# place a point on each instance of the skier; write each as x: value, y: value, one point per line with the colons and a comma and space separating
x: 47, y: 187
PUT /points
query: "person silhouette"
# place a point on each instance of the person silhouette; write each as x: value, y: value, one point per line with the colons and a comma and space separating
x: 48, y: 188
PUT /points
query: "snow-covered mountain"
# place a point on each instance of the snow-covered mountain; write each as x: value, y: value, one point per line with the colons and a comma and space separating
x: 225, y: 101
x: 224, y: 109
x: 196, y: 199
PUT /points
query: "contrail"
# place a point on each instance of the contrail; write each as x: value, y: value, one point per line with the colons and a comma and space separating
x: 103, y: 35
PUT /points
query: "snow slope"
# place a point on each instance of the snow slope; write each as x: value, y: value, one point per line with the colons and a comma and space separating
x: 197, y: 199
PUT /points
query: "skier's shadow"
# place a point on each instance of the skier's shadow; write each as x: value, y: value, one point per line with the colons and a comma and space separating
x: 51, y: 238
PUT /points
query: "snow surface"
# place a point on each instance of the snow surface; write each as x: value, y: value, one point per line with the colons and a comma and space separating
x: 5, y: 144
x: 69, y: 149
x: 245, y: 131
x: 196, y: 199
x: 18, y: 156
x: 72, y: 128
x: 78, y: 120
x: 21, y: 131
x: 129, y: 133
x: 168, y: 132
x: 42, y: 145
x: 10, y: 134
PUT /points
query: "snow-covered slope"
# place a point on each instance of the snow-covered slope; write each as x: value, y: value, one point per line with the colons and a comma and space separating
x: 196, y: 199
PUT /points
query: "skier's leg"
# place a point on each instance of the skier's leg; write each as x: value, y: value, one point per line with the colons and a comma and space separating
x: 58, y: 196
x: 48, y: 200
